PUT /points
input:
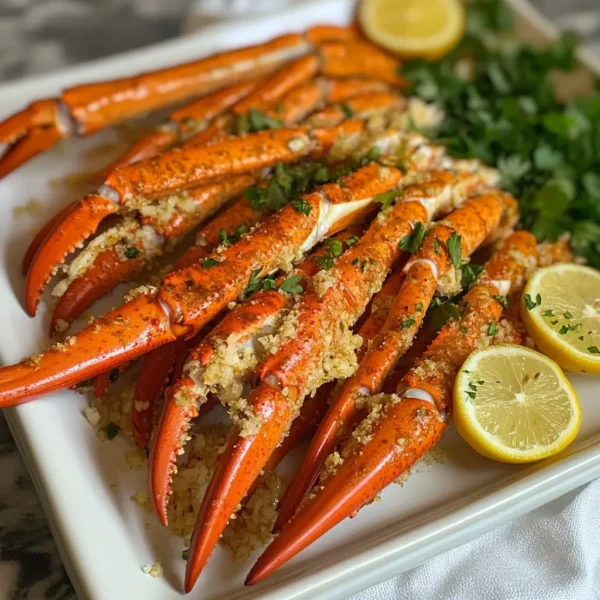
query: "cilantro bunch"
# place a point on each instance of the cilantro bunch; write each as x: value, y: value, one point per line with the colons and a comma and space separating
x: 501, y: 107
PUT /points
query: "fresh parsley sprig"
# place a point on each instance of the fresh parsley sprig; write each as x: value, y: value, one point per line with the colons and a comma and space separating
x: 501, y: 107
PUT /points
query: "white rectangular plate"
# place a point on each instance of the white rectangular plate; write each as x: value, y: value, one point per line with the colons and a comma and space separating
x: 101, y: 533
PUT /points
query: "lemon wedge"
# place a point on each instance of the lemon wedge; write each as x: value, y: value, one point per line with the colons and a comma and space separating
x: 561, y: 311
x: 413, y: 28
x: 515, y: 405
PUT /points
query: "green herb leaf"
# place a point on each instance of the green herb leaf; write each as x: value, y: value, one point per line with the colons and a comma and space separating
x: 292, y: 285
x: 112, y: 431
x: 469, y: 273
x: 408, y: 323
x: 131, y: 252
x: 301, y: 206
x: 253, y: 283
x: 530, y: 303
x: 325, y: 261
x: 593, y: 349
x: 492, y: 329
x: 412, y: 242
x: 335, y: 247
x: 207, y: 263
x: 454, y: 251
x: 386, y: 199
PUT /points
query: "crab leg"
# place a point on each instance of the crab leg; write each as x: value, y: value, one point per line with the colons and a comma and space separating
x: 189, y: 298
x: 186, y: 121
x: 430, y: 268
x: 85, y: 109
x: 313, y: 333
x: 314, y: 408
x: 399, y: 430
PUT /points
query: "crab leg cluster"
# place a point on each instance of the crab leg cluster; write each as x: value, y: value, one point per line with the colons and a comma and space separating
x: 400, y: 428
x: 155, y: 217
x: 324, y: 232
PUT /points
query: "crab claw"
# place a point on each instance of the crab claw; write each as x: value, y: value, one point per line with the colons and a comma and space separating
x: 34, y: 142
x: 157, y: 367
x: 357, y: 480
x: 103, y: 275
x: 29, y: 132
x: 310, y: 414
x: 248, y: 449
x: 78, y: 224
x: 41, y: 235
x: 123, y: 334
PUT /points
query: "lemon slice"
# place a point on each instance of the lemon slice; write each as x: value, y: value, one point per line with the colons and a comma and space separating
x: 515, y: 405
x: 413, y: 28
x: 561, y: 311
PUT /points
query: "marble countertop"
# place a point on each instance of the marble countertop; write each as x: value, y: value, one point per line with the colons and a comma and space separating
x: 39, y: 35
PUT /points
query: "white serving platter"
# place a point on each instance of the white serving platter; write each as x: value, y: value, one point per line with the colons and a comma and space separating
x: 102, y: 535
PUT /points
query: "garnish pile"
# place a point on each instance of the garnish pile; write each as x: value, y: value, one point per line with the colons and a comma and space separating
x: 501, y: 107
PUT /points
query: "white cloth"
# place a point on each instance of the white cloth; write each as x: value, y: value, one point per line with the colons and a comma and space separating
x: 552, y: 553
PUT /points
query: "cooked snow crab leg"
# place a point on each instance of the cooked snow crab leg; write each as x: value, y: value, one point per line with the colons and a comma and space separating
x: 402, y: 428
x: 313, y: 345
x: 189, y: 298
x: 84, y: 109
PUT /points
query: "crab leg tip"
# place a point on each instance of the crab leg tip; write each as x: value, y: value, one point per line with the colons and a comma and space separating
x: 78, y: 224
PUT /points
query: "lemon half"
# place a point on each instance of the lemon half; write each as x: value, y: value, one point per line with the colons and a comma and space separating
x: 515, y: 405
x: 414, y: 28
x: 561, y: 311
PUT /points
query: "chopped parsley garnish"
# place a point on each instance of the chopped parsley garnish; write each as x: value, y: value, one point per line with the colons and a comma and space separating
x: 224, y: 238
x: 469, y: 273
x: 567, y: 315
x: 131, y: 252
x: 301, y: 206
x: 207, y: 263
x: 436, y: 246
x: 253, y: 282
x: 325, y: 261
x: 351, y: 241
x: 507, y: 114
x: 419, y: 307
x: 502, y: 299
x: 530, y: 303
x: 412, y: 242
x: 386, y: 199
x: 268, y: 284
x: 185, y: 554
x: 463, y: 329
x: 492, y: 329
x: 453, y: 248
x: 255, y: 120
x: 408, y: 323
x: 335, y: 247
x: 292, y: 285
x: 112, y: 431
x: 346, y: 109
x: 593, y: 350
x: 372, y: 155
x: 548, y: 313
